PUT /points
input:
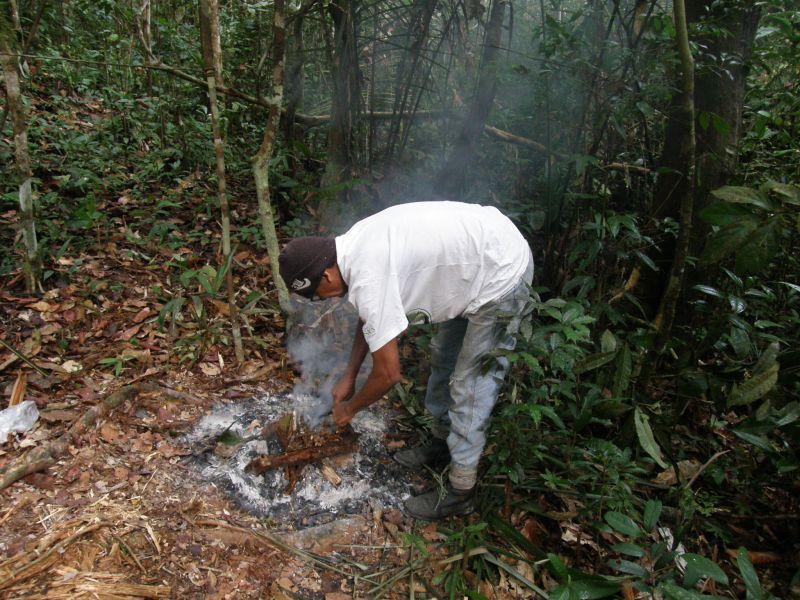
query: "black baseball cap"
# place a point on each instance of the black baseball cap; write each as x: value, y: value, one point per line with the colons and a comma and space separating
x: 303, y: 262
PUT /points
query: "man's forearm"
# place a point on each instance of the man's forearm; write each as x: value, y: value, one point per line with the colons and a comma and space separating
x: 358, y: 352
x: 376, y: 385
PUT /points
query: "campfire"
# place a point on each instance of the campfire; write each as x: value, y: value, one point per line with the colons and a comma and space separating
x: 271, y: 462
x: 303, y: 445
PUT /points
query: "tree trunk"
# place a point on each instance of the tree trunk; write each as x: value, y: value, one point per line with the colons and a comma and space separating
x: 720, y: 99
x: 346, y: 100
x: 210, y: 11
x: 295, y: 88
x: 16, y: 108
x: 418, y: 31
x: 719, y: 103
x: 687, y: 156
x: 450, y: 180
x: 264, y: 154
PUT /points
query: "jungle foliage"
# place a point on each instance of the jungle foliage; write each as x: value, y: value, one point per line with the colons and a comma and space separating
x: 633, y: 450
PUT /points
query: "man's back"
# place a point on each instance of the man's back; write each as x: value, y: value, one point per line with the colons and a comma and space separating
x: 432, y: 261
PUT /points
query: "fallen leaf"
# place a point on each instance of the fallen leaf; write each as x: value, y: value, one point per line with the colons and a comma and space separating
x: 141, y: 315
x: 18, y: 391
x: 50, y: 329
x: 109, y: 432
x: 756, y: 557
x: 41, y: 306
x: 55, y: 416
x: 129, y: 333
x: 71, y: 366
x: 210, y: 369
x: 686, y: 468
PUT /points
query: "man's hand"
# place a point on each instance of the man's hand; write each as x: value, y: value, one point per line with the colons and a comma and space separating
x: 342, y: 413
x: 343, y: 390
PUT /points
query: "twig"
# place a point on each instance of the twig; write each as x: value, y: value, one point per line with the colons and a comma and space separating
x: 705, y: 466
x: 24, y: 358
x: 274, y: 541
x: 130, y: 553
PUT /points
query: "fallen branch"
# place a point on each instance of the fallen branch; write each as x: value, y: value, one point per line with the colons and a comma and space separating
x: 42, y: 457
x: 304, y: 456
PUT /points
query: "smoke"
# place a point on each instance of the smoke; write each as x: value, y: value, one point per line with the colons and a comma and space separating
x: 319, y: 344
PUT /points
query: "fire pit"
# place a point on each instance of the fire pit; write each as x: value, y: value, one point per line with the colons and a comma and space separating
x: 231, y: 437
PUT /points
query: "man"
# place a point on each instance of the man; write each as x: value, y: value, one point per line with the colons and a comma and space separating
x: 462, y: 265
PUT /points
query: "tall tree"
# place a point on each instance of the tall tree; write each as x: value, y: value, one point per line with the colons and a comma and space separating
x: 687, y: 156
x: 450, y: 180
x: 209, y: 15
x: 262, y: 158
x: 16, y: 108
x: 726, y: 32
x: 346, y: 99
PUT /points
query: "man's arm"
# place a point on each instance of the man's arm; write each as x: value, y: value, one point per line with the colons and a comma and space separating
x: 385, y: 373
x: 345, y: 387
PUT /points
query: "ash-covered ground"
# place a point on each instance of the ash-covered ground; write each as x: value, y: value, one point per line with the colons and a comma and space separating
x: 369, y: 477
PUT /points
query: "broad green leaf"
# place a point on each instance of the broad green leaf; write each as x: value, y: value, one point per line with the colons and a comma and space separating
x: 608, y: 343
x: 758, y: 249
x: 751, y: 438
x: 728, y: 240
x: 788, y: 414
x: 629, y: 549
x: 790, y: 194
x: 622, y: 377
x: 593, y: 361
x: 754, y: 388
x: 749, y: 575
x: 768, y: 358
x: 559, y: 593
x: 722, y: 213
x: 229, y: 438
x: 652, y: 511
x: 675, y: 592
x: 707, y: 289
x: 647, y: 260
x: 622, y: 523
x: 646, y: 438
x: 627, y: 567
x: 740, y: 342
x: 557, y: 566
x: 742, y: 195
x: 698, y: 567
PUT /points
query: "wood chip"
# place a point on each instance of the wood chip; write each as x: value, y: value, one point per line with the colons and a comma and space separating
x: 18, y: 391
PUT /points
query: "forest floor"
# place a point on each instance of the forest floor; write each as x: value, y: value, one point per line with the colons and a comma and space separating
x: 123, y: 513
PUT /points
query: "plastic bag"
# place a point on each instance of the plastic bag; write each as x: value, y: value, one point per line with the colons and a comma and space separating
x: 20, y: 418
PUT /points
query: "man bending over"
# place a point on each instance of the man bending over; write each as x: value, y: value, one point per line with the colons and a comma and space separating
x: 464, y: 266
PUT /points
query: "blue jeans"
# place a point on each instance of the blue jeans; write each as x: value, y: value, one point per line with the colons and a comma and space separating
x: 463, y: 388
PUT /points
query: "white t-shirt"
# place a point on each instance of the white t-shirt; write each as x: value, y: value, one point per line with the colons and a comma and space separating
x: 428, y: 262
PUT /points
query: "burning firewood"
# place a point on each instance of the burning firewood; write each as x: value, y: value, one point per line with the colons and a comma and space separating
x: 302, y: 446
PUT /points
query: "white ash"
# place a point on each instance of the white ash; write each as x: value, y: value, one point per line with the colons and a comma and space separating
x: 370, y: 478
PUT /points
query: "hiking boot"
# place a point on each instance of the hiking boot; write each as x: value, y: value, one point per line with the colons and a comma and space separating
x: 436, y: 453
x: 430, y: 507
